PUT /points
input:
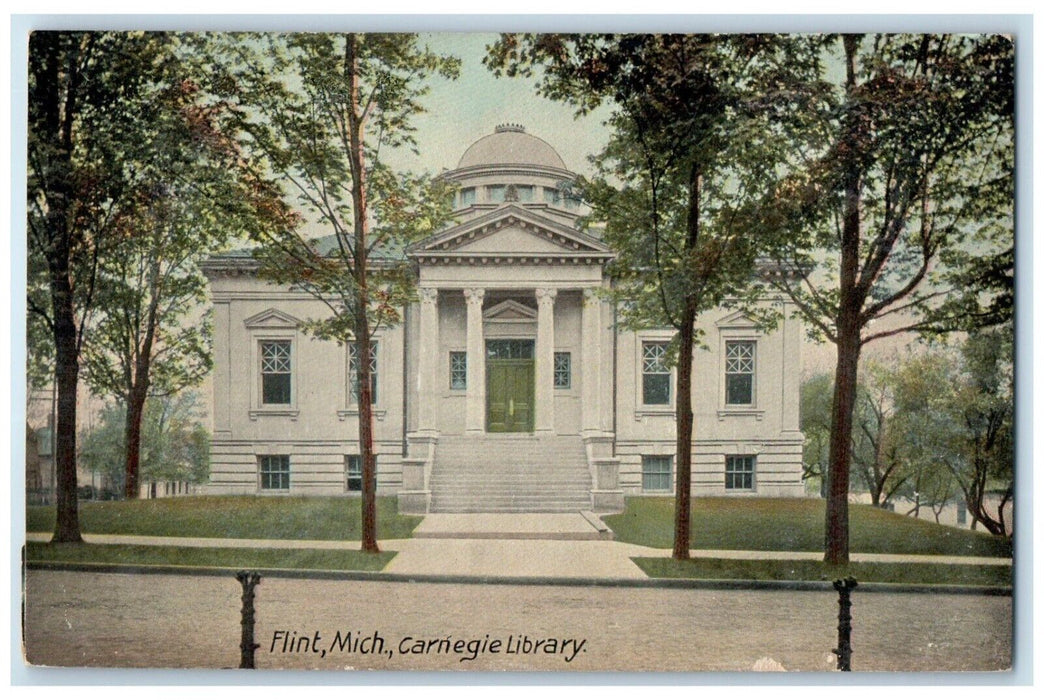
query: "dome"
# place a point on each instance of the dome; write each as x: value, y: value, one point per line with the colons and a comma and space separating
x: 511, y: 145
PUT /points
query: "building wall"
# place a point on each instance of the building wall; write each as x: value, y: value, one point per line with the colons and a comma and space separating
x: 320, y: 426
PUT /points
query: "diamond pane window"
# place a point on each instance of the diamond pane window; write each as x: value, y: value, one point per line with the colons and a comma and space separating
x: 458, y: 370
x: 275, y: 372
x: 275, y: 473
x: 353, y: 372
x: 739, y: 372
x: 656, y: 375
x: 656, y: 473
x: 739, y: 473
x: 563, y: 370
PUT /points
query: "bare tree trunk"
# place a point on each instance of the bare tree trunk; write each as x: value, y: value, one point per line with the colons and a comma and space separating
x: 132, y: 442
x: 686, y: 333
x: 48, y: 90
x: 848, y: 337
x: 67, y: 370
x: 683, y: 492
x: 362, y: 301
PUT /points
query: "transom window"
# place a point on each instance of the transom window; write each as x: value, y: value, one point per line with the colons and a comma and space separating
x: 275, y: 372
x: 353, y: 371
x: 275, y: 472
x: 458, y: 370
x: 739, y: 473
x: 353, y: 472
x: 656, y: 473
x: 509, y: 349
x: 739, y: 372
x: 563, y: 370
x: 656, y: 375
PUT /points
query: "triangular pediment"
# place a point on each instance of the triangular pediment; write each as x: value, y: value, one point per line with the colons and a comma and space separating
x: 272, y: 318
x: 510, y: 230
x: 737, y: 319
x: 509, y: 310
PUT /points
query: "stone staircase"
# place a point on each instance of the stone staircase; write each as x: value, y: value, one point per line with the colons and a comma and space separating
x: 510, y: 474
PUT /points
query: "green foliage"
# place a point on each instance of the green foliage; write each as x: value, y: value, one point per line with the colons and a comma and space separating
x: 698, y: 132
x: 925, y: 125
x: 315, y: 108
x: 175, y: 444
x: 956, y: 414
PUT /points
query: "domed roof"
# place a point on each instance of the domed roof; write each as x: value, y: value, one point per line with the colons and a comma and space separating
x: 511, y: 145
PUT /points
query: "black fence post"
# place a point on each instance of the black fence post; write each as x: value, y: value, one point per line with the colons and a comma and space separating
x: 249, y: 581
x: 844, y: 623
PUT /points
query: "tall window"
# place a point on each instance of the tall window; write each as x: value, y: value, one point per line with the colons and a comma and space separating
x: 275, y: 372
x: 495, y: 193
x: 458, y: 370
x: 275, y: 472
x: 739, y: 372
x: 467, y: 196
x: 551, y: 196
x: 353, y: 472
x: 563, y: 370
x: 739, y: 473
x: 353, y: 371
x: 656, y: 473
x: 656, y: 375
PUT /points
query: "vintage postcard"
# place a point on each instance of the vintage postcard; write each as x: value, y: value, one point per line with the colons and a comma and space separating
x: 520, y: 352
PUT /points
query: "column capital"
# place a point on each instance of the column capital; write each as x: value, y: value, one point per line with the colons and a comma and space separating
x: 429, y: 295
x: 546, y: 296
x: 474, y: 295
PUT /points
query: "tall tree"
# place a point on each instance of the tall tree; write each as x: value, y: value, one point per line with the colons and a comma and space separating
x: 85, y: 92
x: 906, y: 183
x: 694, y: 138
x: 175, y: 445
x: 876, y: 451
x: 322, y: 110
x: 182, y: 174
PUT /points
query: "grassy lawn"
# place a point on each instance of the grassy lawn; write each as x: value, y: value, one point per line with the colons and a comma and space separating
x: 226, y: 557
x: 800, y: 570
x: 253, y: 517
x: 794, y: 525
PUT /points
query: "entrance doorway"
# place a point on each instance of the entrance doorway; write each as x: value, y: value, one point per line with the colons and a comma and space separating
x: 509, y: 386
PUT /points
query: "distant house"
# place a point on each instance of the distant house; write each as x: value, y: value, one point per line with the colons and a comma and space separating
x: 509, y: 387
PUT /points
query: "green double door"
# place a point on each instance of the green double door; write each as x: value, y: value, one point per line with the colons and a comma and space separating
x: 509, y: 396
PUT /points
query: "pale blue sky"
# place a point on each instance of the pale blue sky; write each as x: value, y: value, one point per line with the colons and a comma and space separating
x: 462, y: 111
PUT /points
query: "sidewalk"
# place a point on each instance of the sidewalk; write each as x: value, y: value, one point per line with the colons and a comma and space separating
x: 559, y: 546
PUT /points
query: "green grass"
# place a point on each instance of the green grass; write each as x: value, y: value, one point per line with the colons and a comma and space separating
x: 226, y: 557
x: 794, y: 525
x: 252, y: 517
x: 801, y: 570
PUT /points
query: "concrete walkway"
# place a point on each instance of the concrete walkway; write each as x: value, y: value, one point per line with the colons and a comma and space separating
x: 524, y: 557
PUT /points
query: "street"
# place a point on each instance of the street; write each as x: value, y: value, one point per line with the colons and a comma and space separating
x: 163, y: 621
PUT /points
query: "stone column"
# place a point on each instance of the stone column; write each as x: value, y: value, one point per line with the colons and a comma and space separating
x: 427, y: 370
x: 545, y: 361
x: 223, y: 371
x: 476, y: 346
x: 590, y: 361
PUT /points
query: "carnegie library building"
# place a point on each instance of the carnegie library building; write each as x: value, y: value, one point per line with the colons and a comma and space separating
x: 509, y: 385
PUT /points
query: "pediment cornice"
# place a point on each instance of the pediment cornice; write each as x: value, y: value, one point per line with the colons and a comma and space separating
x: 567, y: 244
